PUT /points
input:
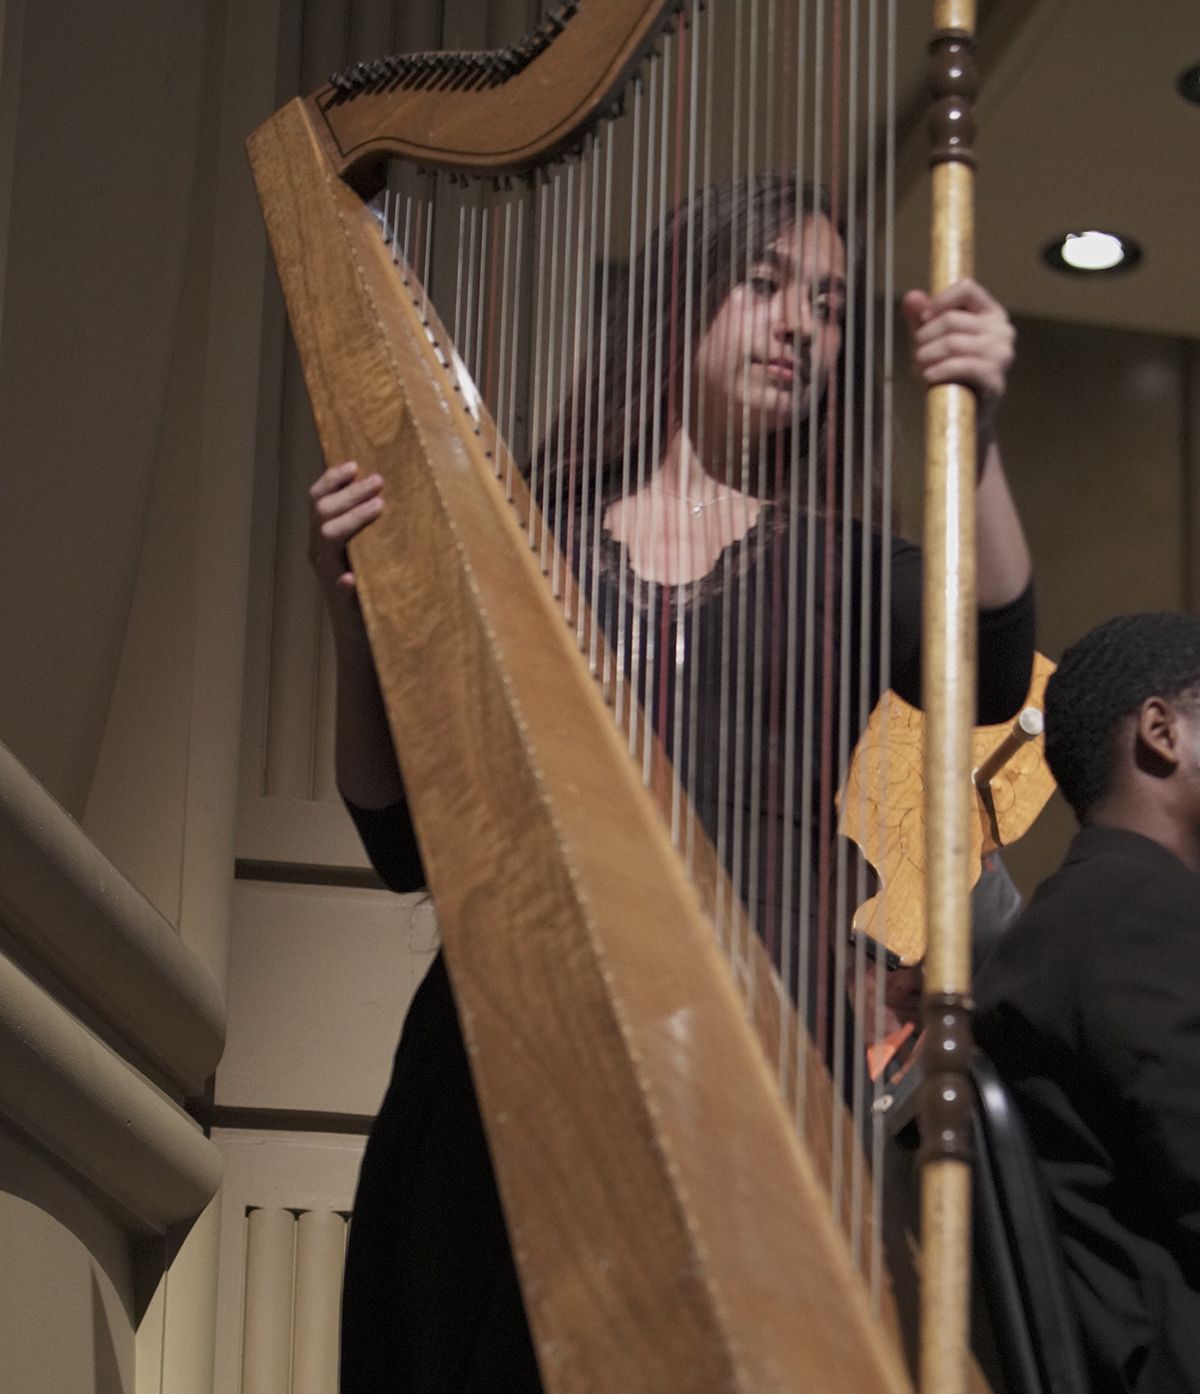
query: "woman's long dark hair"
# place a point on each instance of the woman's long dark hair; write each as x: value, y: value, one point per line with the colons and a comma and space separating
x: 702, y: 250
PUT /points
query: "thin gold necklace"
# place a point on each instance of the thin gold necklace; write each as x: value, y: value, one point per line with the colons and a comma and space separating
x: 696, y: 506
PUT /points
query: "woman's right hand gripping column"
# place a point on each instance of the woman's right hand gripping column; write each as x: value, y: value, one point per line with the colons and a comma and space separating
x: 341, y: 505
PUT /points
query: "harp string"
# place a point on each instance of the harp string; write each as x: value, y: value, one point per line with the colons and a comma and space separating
x: 825, y: 945
x: 545, y: 445
x: 771, y: 451
x: 539, y: 321
x: 470, y: 254
x: 727, y: 855
x: 848, y: 407
x: 700, y: 655
x: 496, y: 285
x: 645, y: 293
x: 562, y: 206
x: 650, y: 520
x: 458, y: 278
x: 750, y: 747
x: 781, y: 826
x: 583, y: 463
x: 507, y: 283
x: 657, y: 717
x: 885, y: 590
x: 601, y: 393
x: 812, y: 861
x: 558, y: 392
x: 627, y: 415
x: 509, y: 434
x: 688, y: 74
x: 867, y: 1013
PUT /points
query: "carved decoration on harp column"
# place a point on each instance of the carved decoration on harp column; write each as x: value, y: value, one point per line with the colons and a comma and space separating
x: 955, y: 85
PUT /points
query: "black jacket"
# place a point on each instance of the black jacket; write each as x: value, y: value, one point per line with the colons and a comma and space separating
x: 1090, y: 1008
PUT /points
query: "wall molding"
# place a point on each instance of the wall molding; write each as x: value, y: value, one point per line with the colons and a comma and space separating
x: 68, y: 1091
x: 76, y: 914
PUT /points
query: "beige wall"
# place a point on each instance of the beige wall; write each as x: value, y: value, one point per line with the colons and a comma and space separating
x: 121, y: 621
x: 96, y: 241
x: 1103, y: 464
x: 1105, y: 476
x: 74, y: 1262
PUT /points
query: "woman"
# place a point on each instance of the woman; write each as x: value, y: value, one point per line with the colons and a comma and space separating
x: 681, y: 536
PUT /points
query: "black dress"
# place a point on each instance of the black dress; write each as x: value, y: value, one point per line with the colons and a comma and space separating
x: 431, y: 1301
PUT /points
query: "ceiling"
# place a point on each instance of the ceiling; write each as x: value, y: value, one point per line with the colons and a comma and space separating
x: 1079, y: 125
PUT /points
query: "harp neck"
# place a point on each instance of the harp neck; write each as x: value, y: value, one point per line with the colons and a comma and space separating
x: 493, y: 114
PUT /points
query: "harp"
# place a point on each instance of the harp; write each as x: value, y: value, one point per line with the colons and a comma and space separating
x: 638, y: 1048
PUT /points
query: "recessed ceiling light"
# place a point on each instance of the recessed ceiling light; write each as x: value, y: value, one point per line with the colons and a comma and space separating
x: 1092, y: 253
x: 1188, y: 84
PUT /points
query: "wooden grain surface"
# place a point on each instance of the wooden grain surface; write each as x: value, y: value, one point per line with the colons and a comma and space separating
x: 670, y: 1232
x: 542, y: 111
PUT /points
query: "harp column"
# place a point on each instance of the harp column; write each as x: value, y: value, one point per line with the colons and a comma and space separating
x: 949, y: 697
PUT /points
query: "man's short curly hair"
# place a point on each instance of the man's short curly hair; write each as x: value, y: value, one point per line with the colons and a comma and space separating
x: 1103, y: 678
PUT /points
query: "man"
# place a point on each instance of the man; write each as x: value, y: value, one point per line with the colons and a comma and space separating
x: 1090, y: 1006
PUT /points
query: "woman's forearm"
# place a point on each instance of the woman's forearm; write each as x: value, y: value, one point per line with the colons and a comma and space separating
x: 367, y: 772
x: 1003, y: 566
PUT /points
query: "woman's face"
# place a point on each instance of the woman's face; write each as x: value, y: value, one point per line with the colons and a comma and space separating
x: 768, y: 352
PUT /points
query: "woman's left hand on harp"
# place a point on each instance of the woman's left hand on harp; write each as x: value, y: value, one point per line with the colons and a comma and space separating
x: 962, y: 335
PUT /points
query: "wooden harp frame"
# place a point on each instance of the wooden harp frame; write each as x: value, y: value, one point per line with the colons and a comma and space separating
x: 671, y: 1233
